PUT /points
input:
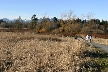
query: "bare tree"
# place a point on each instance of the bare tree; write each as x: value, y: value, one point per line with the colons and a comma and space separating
x: 90, y: 16
x: 83, y: 17
x: 68, y: 15
x: 63, y: 16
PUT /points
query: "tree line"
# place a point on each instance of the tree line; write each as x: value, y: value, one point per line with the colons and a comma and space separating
x: 69, y: 25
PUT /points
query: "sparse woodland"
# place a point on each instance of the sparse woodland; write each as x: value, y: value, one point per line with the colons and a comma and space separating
x: 68, y: 23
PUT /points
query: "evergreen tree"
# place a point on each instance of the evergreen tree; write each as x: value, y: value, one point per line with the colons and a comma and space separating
x: 33, y: 22
x: 18, y: 23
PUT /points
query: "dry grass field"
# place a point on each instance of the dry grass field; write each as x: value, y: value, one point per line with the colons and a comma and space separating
x: 30, y: 52
x: 101, y: 41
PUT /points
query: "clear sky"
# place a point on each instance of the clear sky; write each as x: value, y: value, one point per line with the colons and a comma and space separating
x: 12, y: 9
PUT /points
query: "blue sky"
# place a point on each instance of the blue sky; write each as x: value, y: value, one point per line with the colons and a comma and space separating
x: 12, y: 9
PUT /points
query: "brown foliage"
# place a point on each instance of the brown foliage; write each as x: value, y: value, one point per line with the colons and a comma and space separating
x: 42, y: 30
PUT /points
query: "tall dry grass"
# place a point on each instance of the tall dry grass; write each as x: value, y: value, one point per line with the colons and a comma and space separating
x: 30, y: 52
x: 100, y: 41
